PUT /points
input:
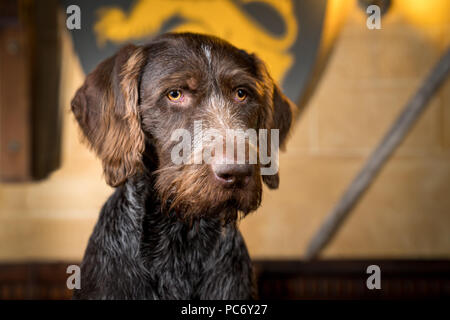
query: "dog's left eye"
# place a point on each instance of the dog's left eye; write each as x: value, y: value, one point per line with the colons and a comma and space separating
x: 240, y: 94
x: 175, y: 95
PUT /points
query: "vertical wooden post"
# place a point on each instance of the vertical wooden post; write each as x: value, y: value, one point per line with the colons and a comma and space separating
x: 15, y: 98
x: 30, y: 114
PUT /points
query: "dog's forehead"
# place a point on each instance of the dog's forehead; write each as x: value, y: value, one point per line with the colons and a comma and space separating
x: 207, y: 51
x: 195, y: 55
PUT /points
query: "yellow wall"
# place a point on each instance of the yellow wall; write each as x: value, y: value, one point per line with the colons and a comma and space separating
x: 370, y: 76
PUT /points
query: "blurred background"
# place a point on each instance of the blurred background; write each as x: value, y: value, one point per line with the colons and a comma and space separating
x: 351, y: 82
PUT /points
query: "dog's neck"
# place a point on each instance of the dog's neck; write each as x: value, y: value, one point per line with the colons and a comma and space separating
x: 156, y: 221
x: 168, y: 241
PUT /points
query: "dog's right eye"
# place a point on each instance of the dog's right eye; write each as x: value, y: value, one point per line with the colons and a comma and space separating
x: 240, y: 94
x: 175, y: 95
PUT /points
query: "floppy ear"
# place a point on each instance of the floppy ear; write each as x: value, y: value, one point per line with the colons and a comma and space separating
x: 284, y: 111
x: 282, y: 115
x: 106, y: 108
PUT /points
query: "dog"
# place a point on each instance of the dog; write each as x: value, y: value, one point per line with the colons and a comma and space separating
x: 169, y: 231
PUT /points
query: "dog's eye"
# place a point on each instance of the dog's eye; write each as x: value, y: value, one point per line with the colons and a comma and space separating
x: 240, y: 94
x: 174, y: 95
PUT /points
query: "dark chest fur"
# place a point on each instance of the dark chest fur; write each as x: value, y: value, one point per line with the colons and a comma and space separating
x: 136, y: 251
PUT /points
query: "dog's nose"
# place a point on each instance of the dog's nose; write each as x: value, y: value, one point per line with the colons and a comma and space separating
x: 231, y: 175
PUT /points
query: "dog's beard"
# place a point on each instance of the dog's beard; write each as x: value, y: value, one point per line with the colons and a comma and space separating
x: 189, y: 192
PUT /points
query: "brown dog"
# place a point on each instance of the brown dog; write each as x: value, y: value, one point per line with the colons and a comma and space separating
x: 169, y: 229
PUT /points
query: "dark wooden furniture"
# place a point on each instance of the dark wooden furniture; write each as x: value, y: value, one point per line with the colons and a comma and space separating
x: 330, y: 279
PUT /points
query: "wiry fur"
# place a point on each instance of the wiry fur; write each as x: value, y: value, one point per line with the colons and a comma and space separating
x: 169, y: 231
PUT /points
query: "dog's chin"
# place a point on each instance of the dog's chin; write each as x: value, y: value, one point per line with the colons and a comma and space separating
x: 230, y: 207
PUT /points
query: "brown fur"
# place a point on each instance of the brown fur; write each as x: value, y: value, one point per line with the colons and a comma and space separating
x: 106, y: 108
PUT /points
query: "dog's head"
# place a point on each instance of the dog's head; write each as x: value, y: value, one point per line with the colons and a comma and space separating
x: 204, y: 117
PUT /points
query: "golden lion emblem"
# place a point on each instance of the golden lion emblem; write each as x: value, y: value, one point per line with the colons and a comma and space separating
x: 222, y: 18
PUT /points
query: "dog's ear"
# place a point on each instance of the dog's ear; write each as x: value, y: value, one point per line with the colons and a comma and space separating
x: 282, y: 115
x: 106, y: 108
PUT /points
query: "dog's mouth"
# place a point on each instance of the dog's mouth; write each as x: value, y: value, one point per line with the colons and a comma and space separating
x: 196, y: 192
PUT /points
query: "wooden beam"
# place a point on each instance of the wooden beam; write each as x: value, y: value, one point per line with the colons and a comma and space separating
x: 15, y: 107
